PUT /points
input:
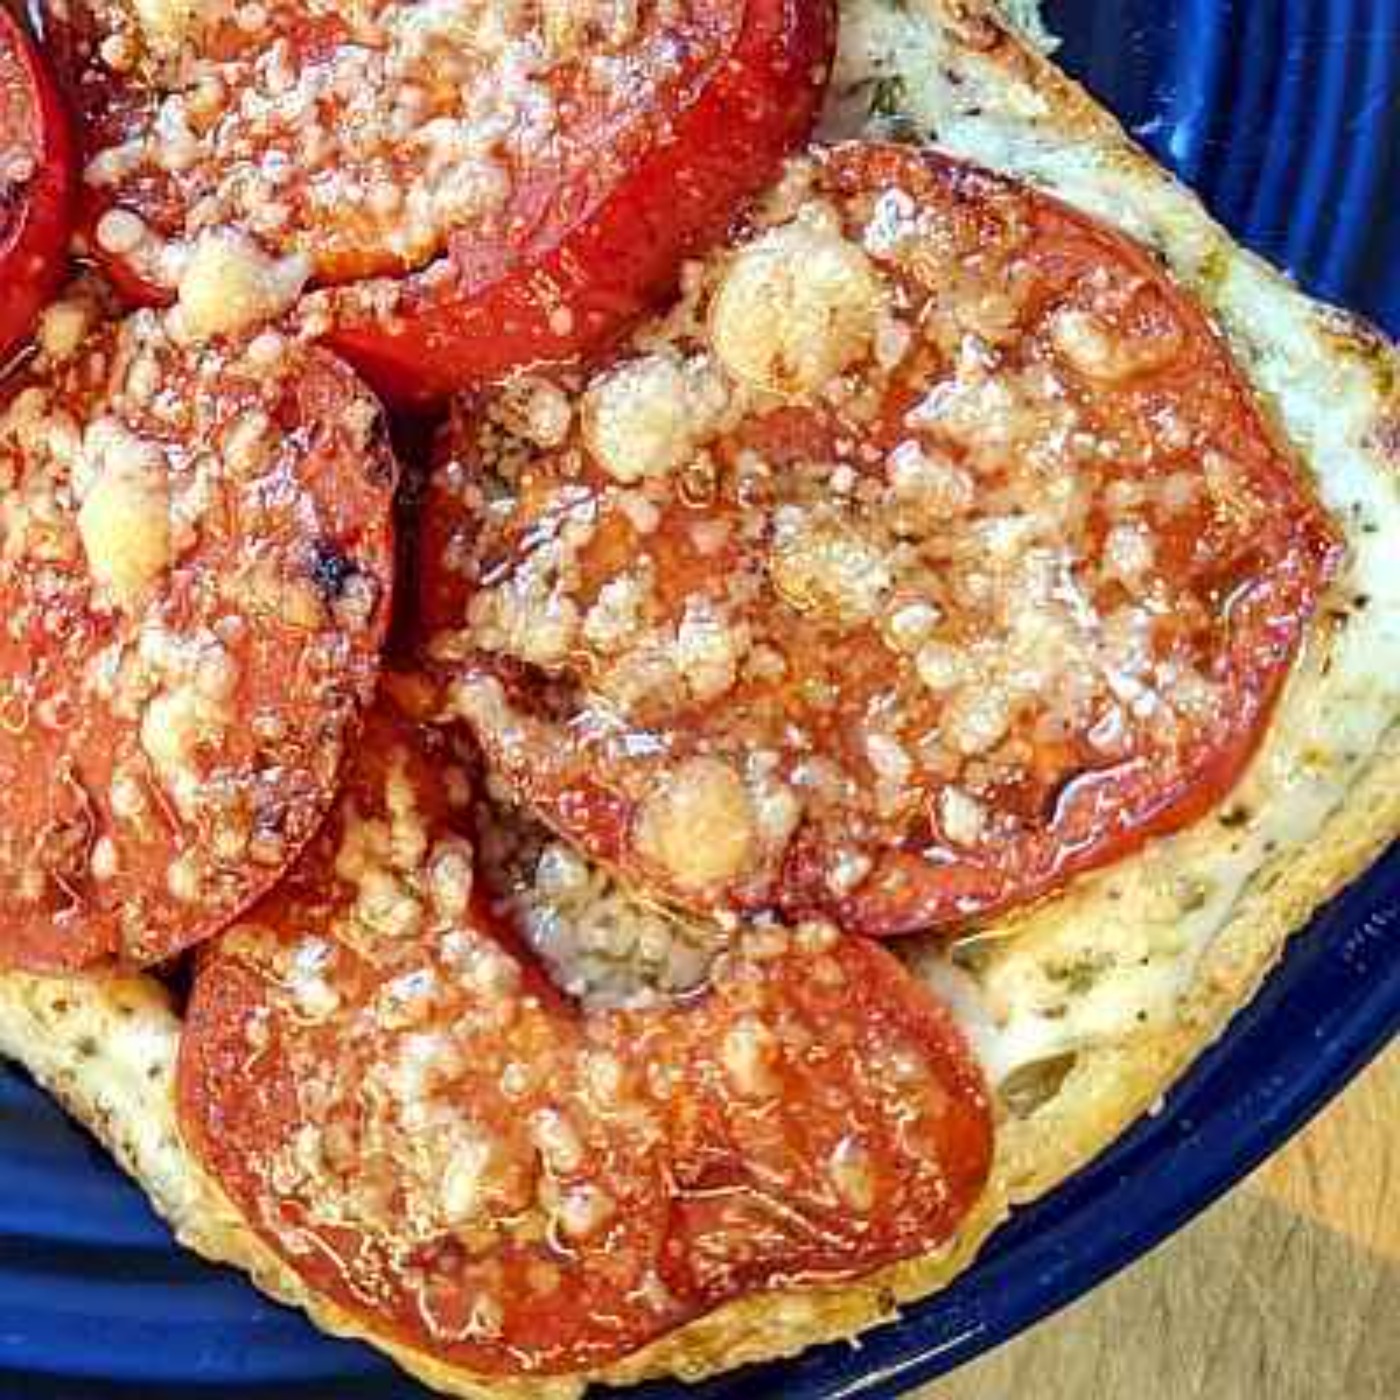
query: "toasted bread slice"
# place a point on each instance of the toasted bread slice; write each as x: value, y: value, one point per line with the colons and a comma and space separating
x: 1086, y: 1008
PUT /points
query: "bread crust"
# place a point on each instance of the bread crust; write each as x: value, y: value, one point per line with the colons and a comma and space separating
x: 106, y: 1047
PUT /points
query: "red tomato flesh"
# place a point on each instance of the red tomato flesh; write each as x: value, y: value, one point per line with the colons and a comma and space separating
x: 532, y: 202
x: 196, y: 587
x: 429, y: 1136
x: 37, y: 182
x: 1010, y: 590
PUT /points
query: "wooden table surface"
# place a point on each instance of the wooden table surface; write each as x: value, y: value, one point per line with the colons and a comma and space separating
x: 1289, y: 1289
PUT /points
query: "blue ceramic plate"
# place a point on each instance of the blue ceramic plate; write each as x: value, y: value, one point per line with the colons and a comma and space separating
x: 1285, y: 114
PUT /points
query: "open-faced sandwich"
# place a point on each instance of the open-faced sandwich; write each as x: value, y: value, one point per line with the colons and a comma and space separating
x: 880, y: 622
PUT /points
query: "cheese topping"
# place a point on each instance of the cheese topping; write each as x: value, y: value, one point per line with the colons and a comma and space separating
x: 646, y: 418
x: 698, y: 825
x: 167, y: 24
x: 598, y: 943
x: 229, y: 285
x: 796, y: 307
x: 124, y: 520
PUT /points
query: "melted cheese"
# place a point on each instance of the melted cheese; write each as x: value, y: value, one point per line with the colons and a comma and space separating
x: 230, y: 285
x: 167, y: 24
x: 795, y: 308
x: 637, y: 421
x: 699, y: 826
x: 124, y: 521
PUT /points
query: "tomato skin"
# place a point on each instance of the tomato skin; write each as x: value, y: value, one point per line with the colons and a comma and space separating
x: 34, y: 233
x: 571, y: 292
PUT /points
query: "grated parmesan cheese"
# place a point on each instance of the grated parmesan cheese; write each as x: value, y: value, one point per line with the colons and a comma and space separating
x: 698, y: 825
x: 230, y: 285
x: 795, y: 308
x: 124, y: 521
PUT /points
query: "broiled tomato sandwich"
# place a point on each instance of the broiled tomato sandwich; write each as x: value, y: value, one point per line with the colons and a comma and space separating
x: 486, y: 184
x: 878, y: 643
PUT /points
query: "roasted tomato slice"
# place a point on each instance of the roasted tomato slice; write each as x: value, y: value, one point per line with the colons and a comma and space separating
x: 410, y: 1115
x: 932, y: 551
x: 195, y: 565
x: 502, y: 185
x: 38, y: 177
